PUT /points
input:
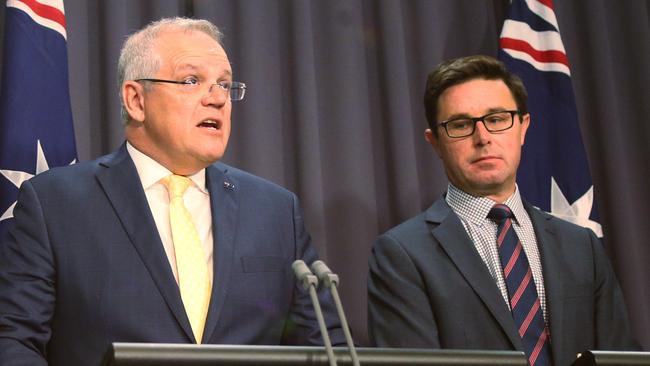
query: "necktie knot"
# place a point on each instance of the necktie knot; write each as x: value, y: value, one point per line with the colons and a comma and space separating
x: 499, y: 212
x: 176, y: 185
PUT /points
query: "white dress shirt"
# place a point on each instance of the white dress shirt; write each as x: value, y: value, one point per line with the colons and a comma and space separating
x: 473, y: 212
x: 196, y: 199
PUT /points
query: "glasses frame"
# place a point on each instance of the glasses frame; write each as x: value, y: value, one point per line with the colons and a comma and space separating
x: 475, y: 120
x: 233, y: 85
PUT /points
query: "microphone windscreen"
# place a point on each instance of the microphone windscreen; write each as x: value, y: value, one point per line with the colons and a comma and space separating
x: 320, y: 269
x: 300, y: 269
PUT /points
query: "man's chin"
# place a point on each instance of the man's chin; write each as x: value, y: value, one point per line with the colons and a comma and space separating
x: 213, y: 154
x: 486, y: 185
x: 211, y: 159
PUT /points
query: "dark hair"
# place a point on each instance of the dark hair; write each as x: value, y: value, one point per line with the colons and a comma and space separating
x: 460, y: 70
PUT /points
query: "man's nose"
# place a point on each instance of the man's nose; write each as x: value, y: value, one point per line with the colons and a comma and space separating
x: 215, y: 96
x: 481, y: 134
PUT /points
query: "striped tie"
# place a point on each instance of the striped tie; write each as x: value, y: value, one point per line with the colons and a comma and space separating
x: 524, y: 301
x: 193, y: 279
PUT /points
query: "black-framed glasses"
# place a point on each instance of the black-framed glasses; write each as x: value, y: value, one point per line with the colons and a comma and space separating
x: 234, y: 89
x: 465, y: 126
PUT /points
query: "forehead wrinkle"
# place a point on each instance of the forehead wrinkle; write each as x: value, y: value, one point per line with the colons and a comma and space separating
x: 187, y: 67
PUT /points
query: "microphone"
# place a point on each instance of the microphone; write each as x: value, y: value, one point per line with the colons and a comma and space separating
x: 310, y: 282
x: 331, y: 281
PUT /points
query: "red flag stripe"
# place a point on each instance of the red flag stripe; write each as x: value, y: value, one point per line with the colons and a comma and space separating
x: 548, y: 3
x: 46, y: 11
x: 541, y: 56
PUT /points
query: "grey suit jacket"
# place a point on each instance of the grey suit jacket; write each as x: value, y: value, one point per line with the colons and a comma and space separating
x: 429, y: 288
x: 84, y: 266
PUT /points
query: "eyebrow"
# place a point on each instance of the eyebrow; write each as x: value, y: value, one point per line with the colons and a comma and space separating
x: 465, y: 115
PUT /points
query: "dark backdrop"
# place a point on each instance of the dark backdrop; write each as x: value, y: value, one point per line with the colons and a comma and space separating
x: 333, y: 110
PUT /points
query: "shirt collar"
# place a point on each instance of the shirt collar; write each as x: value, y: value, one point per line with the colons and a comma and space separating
x: 516, y: 205
x: 151, y: 171
x: 475, y: 209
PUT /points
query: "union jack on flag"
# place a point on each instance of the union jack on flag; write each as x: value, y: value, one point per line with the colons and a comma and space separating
x: 554, y: 173
x: 36, y: 130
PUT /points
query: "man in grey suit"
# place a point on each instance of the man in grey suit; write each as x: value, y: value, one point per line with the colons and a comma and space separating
x: 481, y: 268
x: 158, y: 241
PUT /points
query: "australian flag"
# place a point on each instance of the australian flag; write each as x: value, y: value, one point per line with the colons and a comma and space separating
x: 36, y: 131
x: 554, y: 172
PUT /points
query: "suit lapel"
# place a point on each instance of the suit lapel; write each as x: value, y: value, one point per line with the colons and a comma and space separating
x: 553, y: 266
x: 121, y: 184
x: 452, y: 236
x: 224, y: 203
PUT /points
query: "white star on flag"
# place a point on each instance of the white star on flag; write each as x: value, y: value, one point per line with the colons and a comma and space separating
x: 578, y: 212
x: 18, y: 177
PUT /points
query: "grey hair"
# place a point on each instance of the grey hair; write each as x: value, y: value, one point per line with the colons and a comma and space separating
x: 138, y: 58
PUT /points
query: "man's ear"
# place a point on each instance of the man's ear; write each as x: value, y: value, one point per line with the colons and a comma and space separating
x: 525, y: 123
x: 133, y: 100
x: 432, y: 139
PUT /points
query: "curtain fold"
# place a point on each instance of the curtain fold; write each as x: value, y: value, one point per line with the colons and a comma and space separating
x: 334, y: 109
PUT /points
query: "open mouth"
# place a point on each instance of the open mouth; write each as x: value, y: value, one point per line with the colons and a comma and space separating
x: 210, y: 123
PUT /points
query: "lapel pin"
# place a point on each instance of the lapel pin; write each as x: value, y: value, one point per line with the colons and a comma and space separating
x: 228, y: 185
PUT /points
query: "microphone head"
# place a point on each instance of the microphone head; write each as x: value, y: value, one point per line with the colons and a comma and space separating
x: 324, y: 274
x: 300, y: 269
x: 320, y: 268
x: 303, y: 274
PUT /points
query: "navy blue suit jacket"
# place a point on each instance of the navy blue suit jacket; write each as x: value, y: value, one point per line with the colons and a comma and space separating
x: 428, y: 287
x: 84, y: 266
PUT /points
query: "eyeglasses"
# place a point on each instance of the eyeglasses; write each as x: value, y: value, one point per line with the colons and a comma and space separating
x: 465, y: 126
x: 234, y: 89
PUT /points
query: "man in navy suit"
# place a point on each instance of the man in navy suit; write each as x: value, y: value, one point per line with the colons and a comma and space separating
x: 93, y: 256
x: 438, y: 281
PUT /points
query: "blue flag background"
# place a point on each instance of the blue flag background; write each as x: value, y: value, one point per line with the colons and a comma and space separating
x: 554, y: 172
x: 36, y: 131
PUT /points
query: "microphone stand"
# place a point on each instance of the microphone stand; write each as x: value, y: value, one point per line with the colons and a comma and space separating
x: 331, y: 281
x: 310, y: 282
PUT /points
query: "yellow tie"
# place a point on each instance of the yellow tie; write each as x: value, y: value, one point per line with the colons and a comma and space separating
x: 193, y: 279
